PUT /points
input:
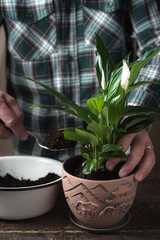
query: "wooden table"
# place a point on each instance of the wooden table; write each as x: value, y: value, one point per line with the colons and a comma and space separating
x: 144, y: 223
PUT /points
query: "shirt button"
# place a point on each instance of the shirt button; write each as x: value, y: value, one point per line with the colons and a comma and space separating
x: 28, y: 15
x: 68, y: 11
x: 70, y: 58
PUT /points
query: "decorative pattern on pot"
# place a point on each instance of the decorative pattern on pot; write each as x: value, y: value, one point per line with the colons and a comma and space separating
x: 99, y: 204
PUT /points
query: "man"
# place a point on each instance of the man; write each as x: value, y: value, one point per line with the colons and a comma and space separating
x: 54, y: 42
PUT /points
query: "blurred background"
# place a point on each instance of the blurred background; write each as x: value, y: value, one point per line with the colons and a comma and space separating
x: 6, y: 147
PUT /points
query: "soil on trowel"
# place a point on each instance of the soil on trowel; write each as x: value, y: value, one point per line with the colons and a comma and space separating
x: 56, y: 140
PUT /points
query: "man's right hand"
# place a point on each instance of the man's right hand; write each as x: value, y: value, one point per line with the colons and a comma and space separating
x: 11, y: 118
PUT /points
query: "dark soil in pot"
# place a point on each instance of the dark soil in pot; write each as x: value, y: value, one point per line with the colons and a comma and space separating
x: 99, y: 175
x: 74, y: 167
x: 10, y: 181
x: 56, y: 140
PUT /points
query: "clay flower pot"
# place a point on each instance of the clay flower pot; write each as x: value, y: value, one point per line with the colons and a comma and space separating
x: 97, y: 204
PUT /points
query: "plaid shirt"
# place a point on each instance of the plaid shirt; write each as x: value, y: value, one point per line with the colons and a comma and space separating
x: 54, y: 42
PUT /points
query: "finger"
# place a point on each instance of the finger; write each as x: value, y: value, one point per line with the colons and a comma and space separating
x: 136, y: 154
x: 5, y: 133
x: 126, y: 142
x: 12, y: 104
x: 147, y: 163
x: 10, y: 120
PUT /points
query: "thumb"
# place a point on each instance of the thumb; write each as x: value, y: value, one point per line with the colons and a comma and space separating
x: 125, y: 141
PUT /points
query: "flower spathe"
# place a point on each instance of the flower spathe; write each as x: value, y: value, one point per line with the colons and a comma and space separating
x: 125, y: 76
x: 103, y: 82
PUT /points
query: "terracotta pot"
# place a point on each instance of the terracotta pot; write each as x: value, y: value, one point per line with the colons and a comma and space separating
x: 97, y: 204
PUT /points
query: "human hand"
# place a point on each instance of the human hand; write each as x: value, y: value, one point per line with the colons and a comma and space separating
x: 139, y: 154
x: 11, y: 118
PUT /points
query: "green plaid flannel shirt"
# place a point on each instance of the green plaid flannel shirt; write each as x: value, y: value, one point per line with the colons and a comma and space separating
x: 53, y: 41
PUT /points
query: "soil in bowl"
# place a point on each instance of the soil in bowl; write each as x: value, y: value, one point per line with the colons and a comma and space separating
x: 10, y: 181
x: 56, y: 140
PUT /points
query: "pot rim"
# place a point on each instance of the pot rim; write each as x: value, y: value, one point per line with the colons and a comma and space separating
x: 91, y: 180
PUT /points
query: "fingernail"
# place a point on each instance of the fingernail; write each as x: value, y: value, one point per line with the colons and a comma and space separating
x: 110, y: 167
x: 24, y: 137
x: 123, y: 174
x: 139, y: 177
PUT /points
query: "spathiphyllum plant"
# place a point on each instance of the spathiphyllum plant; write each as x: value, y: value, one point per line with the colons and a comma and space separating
x: 105, y: 113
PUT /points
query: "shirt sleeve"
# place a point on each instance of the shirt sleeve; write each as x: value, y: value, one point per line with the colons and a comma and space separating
x: 1, y: 20
x: 145, y: 18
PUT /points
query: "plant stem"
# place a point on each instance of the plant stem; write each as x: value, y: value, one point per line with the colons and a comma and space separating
x: 114, y: 134
x: 107, y: 121
x: 95, y: 155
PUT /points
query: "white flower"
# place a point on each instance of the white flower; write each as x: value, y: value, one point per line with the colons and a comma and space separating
x: 125, y: 76
x: 103, y: 81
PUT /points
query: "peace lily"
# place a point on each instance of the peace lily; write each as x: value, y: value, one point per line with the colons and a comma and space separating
x: 125, y: 76
x: 104, y: 111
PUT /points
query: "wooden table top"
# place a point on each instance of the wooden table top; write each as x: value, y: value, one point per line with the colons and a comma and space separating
x: 144, y: 223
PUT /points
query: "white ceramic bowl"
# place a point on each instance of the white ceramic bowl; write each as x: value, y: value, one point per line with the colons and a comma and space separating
x: 28, y: 202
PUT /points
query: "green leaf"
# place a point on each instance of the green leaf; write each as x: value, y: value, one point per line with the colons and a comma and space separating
x: 100, y: 130
x: 74, y: 136
x: 114, y: 110
x: 55, y: 107
x: 118, y: 154
x: 131, y: 121
x: 134, y: 124
x: 103, y: 61
x: 114, y: 85
x: 148, y: 53
x: 140, y: 64
x: 139, y: 110
x: 86, y: 167
x: 93, y: 164
x: 104, y: 54
x: 120, y: 130
x: 138, y: 127
x: 92, y: 139
x: 95, y: 105
x: 138, y: 84
x: 85, y: 156
x: 111, y: 147
x: 80, y: 111
x: 51, y: 91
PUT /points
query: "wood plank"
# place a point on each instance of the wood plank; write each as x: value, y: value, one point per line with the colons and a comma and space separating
x: 76, y: 235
